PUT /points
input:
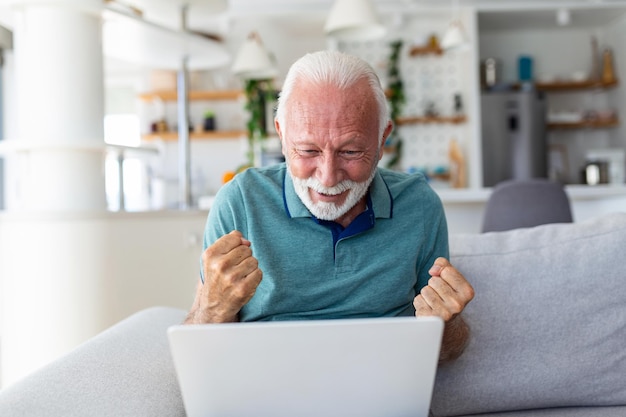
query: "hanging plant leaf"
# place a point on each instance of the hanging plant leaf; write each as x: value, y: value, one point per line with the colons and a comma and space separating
x: 396, y: 98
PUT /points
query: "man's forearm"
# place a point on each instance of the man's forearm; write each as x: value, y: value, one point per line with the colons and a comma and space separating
x: 201, y: 313
x: 203, y: 316
x: 455, y: 338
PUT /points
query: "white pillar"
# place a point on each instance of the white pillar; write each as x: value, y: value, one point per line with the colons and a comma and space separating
x: 60, y: 99
x: 54, y: 280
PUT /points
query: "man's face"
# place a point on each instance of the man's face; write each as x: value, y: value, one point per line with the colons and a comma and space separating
x: 331, y: 145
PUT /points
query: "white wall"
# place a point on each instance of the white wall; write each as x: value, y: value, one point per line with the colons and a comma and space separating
x: 616, y: 37
x: 9, y: 122
x: 121, y: 263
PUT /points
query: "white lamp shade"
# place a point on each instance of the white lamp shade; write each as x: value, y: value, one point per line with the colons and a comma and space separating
x: 563, y: 17
x: 454, y: 37
x: 353, y: 20
x: 253, y: 62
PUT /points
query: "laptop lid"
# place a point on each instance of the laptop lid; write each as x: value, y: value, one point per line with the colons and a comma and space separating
x: 350, y: 367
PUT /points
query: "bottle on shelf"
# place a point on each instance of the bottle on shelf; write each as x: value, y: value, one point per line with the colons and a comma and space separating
x: 608, y: 71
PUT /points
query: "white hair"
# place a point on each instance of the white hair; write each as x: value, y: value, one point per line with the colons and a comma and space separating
x: 338, y: 69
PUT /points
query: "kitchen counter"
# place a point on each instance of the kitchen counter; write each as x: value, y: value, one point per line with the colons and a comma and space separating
x: 575, y: 193
x: 465, y: 208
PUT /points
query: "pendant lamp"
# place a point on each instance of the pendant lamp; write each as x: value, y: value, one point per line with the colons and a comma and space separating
x: 454, y: 37
x: 354, y: 20
x: 253, y: 62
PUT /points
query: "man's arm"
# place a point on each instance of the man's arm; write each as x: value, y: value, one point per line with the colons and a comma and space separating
x: 446, y: 295
x: 231, y: 276
x: 455, y: 336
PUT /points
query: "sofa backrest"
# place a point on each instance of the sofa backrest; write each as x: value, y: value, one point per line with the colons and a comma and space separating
x: 548, y: 320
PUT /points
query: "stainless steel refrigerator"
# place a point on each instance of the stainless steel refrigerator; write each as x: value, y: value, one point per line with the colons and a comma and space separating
x: 514, y: 143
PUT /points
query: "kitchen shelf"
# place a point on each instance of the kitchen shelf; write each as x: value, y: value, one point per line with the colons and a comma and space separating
x: 425, y: 50
x: 172, y: 95
x: 401, y: 121
x: 586, y: 124
x: 218, y: 134
x: 565, y: 86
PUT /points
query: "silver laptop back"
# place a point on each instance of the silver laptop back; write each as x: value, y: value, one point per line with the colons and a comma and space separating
x: 382, y: 367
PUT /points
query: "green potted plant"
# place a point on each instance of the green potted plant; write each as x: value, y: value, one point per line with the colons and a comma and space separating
x: 396, y: 98
x: 209, y: 121
x: 258, y: 94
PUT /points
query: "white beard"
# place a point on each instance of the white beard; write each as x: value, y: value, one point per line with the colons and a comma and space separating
x: 330, y: 211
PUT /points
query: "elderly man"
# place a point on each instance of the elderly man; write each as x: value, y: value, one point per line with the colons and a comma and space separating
x: 328, y: 234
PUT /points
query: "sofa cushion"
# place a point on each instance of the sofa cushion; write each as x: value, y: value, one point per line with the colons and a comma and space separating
x: 125, y: 371
x: 548, y: 320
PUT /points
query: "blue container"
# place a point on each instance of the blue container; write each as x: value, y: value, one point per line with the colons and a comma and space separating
x: 525, y: 68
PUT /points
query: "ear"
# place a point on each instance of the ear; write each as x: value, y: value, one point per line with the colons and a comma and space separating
x: 386, y: 134
x: 278, y: 130
x: 280, y: 135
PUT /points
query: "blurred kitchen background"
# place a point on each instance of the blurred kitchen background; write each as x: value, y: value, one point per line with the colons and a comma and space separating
x: 120, y: 120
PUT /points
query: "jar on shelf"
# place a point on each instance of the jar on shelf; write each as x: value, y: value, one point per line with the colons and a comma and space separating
x: 608, y: 71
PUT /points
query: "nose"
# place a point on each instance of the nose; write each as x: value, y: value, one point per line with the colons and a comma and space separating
x: 328, y: 171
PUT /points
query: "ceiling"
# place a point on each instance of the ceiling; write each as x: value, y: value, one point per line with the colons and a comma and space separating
x: 305, y: 18
x: 546, y: 18
x: 493, y: 14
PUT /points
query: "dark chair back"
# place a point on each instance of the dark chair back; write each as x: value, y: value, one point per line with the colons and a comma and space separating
x: 526, y: 203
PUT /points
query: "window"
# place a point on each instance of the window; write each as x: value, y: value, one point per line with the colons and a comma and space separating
x: 123, y: 129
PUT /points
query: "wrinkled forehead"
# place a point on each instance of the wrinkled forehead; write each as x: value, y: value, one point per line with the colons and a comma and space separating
x: 353, y: 100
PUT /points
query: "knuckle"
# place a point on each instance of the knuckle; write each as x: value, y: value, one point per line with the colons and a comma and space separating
x: 470, y: 292
x: 259, y: 276
x: 456, y: 306
x: 252, y: 262
x: 220, y: 265
x: 206, y: 255
x: 418, y: 301
x: 241, y: 292
x: 446, y: 315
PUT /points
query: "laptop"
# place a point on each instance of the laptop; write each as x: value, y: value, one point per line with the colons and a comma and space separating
x: 375, y: 367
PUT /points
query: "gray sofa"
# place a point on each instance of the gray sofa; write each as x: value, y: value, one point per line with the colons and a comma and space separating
x: 548, y: 338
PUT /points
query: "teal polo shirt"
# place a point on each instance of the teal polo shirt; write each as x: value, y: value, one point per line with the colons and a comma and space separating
x: 314, y: 269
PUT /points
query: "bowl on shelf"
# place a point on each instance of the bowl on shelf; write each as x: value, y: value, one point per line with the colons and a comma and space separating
x: 579, y: 76
x: 565, y: 116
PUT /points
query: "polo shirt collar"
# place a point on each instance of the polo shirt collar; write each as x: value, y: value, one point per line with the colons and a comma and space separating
x: 382, y: 202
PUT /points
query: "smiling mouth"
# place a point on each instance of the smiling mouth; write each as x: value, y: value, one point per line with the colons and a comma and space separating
x: 329, y: 197
x: 329, y: 194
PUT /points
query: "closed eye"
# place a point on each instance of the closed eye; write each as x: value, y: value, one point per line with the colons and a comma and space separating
x: 307, y: 152
x: 351, y: 154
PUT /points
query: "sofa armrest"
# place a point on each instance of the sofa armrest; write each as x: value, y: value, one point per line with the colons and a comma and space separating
x: 126, y: 370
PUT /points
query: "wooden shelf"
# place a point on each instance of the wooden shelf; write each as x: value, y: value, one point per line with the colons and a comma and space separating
x: 431, y: 120
x: 425, y: 50
x: 564, y: 86
x: 172, y: 95
x: 586, y: 124
x: 218, y: 134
